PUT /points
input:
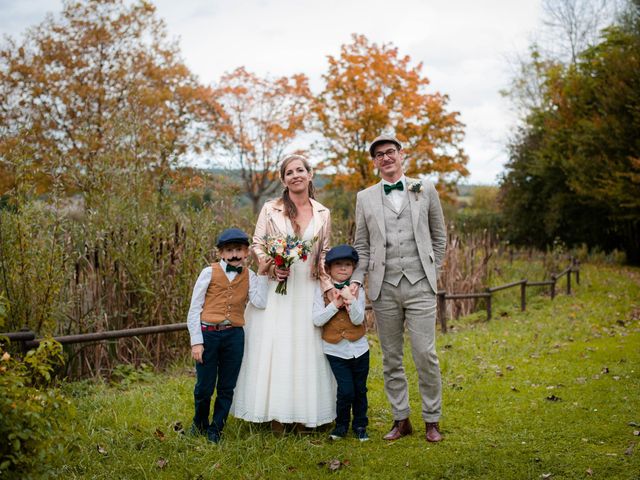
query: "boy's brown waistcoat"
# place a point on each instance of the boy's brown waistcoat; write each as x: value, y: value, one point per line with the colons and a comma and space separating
x: 225, y: 300
x: 340, y: 327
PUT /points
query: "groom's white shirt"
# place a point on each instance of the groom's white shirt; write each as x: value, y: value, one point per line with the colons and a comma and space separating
x: 397, y: 196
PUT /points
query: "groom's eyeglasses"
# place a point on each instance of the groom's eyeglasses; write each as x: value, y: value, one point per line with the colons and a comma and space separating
x: 389, y: 153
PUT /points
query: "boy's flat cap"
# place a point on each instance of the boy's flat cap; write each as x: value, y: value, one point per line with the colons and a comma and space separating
x: 232, y: 235
x: 341, y: 252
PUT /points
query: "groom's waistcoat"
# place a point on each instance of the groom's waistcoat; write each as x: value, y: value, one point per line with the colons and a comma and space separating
x: 225, y: 300
x: 402, y: 257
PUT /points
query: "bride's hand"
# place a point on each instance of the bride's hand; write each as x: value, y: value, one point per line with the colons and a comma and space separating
x: 281, y: 273
x: 264, y: 263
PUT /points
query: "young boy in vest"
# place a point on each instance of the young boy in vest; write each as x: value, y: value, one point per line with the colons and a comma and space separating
x: 215, y: 321
x: 340, y: 313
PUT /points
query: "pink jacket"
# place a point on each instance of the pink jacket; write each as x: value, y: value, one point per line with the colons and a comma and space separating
x: 272, y: 221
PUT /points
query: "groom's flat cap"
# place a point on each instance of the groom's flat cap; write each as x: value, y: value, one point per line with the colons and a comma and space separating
x: 384, y: 139
x: 341, y: 252
x: 232, y: 235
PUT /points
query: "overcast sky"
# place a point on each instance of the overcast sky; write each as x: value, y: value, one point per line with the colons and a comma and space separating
x: 464, y: 46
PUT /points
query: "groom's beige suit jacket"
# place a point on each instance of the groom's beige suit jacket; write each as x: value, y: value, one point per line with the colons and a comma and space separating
x: 371, y: 237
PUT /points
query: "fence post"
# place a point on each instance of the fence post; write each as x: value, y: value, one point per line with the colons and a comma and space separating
x: 569, y: 282
x: 442, y: 310
x: 523, y: 295
x: 489, y: 304
x: 553, y: 286
x: 576, y: 269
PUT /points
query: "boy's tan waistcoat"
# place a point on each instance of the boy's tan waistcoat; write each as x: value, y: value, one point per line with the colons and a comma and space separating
x: 225, y: 300
x: 340, y: 327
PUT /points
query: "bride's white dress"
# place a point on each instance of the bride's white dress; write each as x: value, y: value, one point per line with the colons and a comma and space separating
x: 284, y: 374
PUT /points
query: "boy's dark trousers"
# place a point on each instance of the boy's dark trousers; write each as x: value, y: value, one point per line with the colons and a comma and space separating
x: 351, y: 375
x: 219, y: 369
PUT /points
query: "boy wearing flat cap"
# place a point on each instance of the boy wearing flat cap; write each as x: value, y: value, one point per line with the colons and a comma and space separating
x: 215, y: 321
x: 340, y: 313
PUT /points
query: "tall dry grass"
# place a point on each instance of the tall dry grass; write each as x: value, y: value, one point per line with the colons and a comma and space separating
x: 466, y: 268
x: 126, y: 261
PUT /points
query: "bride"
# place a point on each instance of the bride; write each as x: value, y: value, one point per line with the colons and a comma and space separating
x: 285, y: 377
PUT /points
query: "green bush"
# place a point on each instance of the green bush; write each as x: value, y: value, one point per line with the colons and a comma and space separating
x: 34, y: 416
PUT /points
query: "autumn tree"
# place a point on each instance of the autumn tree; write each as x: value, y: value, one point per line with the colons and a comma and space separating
x: 97, y: 92
x: 371, y: 89
x: 263, y: 118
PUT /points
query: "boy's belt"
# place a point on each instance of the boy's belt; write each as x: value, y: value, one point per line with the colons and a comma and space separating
x: 215, y: 328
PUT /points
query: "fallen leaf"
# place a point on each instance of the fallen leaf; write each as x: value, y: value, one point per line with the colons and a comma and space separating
x: 553, y: 398
x: 159, y: 434
x: 101, y: 450
x: 514, y: 389
x: 334, y: 464
x: 406, y: 464
x: 629, y: 450
x: 510, y: 367
x: 636, y: 433
x: 292, y: 469
x: 589, y: 471
x: 546, y: 475
x: 616, y: 377
x: 161, y: 463
x: 178, y: 428
x: 605, y: 370
x: 633, y: 424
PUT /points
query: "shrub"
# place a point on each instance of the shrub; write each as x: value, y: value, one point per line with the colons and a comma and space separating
x: 34, y: 415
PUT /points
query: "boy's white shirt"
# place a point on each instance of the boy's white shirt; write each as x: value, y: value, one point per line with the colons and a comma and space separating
x: 323, y: 313
x: 258, y: 290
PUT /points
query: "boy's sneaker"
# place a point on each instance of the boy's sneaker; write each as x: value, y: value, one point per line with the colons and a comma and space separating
x: 338, y: 433
x: 213, y: 437
x: 361, y: 434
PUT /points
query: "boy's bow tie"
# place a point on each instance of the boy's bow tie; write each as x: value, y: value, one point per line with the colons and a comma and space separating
x: 340, y: 286
x: 231, y: 268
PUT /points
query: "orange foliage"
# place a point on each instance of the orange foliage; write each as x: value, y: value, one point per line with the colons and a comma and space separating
x: 99, y: 89
x: 263, y: 118
x: 370, y: 89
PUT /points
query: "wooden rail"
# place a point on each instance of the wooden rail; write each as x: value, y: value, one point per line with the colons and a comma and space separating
x: 443, y: 296
x: 28, y: 340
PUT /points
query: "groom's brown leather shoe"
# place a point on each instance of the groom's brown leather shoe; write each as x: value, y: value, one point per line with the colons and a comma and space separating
x: 400, y: 429
x: 433, y: 432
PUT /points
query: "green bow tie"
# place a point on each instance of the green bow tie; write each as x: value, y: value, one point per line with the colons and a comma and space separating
x: 396, y: 186
x: 340, y: 286
x: 231, y: 268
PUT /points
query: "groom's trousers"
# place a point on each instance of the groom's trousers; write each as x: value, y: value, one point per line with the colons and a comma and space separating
x: 413, y: 306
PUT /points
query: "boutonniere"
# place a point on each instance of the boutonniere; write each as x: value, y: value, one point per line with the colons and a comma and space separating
x: 415, y: 187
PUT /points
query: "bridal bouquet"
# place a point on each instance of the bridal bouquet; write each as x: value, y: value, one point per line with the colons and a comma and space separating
x: 285, y: 250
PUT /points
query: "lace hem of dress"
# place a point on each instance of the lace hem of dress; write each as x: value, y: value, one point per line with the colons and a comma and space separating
x: 323, y: 420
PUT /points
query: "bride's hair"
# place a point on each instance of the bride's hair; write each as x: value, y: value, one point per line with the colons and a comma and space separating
x: 290, y: 209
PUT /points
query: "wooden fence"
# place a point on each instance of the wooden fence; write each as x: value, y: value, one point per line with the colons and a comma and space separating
x: 28, y: 339
x: 443, y: 296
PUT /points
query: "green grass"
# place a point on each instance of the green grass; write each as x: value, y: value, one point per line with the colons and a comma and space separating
x: 500, y: 422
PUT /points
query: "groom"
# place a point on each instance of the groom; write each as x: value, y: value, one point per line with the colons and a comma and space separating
x: 401, y: 238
